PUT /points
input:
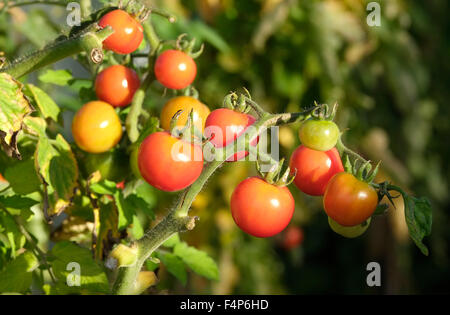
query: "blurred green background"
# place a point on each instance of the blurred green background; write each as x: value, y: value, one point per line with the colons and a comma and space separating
x: 392, y: 85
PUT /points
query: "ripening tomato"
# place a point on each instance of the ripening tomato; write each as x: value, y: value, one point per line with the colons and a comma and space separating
x: 186, y: 104
x: 168, y: 163
x: 293, y: 237
x: 315, y: 169
x: 96, y: 127
x: 349, y: 231
x: 261, y: 209
x: 175, y: 69
x: 223, y: 126
x: 321, y: 135
x: 128, y: 32
x: 116, y: 85
x: 349, y: 201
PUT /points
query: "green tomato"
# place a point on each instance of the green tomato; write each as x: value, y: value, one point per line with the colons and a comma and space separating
x: 134, y: 162
x: 349, y: 231
x: 109, y: 164
x: 319, y: 135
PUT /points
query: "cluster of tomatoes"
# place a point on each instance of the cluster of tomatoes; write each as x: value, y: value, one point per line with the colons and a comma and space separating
x: 259, y: 206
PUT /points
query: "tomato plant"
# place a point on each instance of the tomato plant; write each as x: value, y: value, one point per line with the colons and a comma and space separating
x: 224, y: 126
x: 95, y: 199
x: 128, y: 32
x: 175, y: 69
x: 96, y: 127
x: 116, y: 85
x: 184, y: 104
x: 265, y: 216
x: 168, y: 163
x: 314, y: 169
x: 349, y: 201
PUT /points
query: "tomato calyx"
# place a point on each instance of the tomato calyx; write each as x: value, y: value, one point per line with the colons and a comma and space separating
x: 277, y: 174
x: 189, y: 133
x: 323, y: 112
x: 187, y: 46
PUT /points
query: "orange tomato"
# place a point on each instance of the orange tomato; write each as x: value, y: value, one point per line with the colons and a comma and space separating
x: 96, y: 127
x: 186, y: 104
x: 349, y: 201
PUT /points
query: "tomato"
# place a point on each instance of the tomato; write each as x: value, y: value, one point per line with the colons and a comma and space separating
x: 128, y: 32
x: 121, y: 185
x: 349, y: 231
x: 116, y: 85
x: 321, y: 135
x: 109, y: 164
x: 315, y: 169
x: 223, y: 126
x: 261, y: 209
x: 349, y: 201
x: 175, y: 69
x: 2, y: 179
x: 168, y: 163
x: 293, y: 237
x: 186, y: 104
x: 96, y: 127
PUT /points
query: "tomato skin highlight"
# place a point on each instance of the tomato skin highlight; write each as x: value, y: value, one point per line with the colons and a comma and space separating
x: 96, y: 128
x: 116, y: 85
x: 349, y: 201
x: 261, y: 209
x: 320, y: 135
x: 159, y: 168
x: 186, y: 104
x: 223, y: 126
x: 175, y: 69
x: 314, y: 169
x: 128, y: 32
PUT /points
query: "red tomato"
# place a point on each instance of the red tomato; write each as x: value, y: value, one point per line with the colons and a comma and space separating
x: 128, y: 32
x: 121, y: 185
x: 315, y: 169
x: 261, y: 209
x: 175, y: 70
x: 116, y: 85
x: 349, y: 201
x: 293, y: 237
x: 223, y: 126
x: 168, y: 163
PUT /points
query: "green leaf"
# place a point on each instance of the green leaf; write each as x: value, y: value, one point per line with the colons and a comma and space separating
x: 17, y: 202
x: 14, y: 107
x: 17, y: 275
x: 57, y: 165
x: 197, y: 260
x: 23, y: 178
x: 46, y: 105
x: 105, y: 187
x: 147, y: 193
x: 58, y: 77
x: 137, y: 203
x: 152, y: 264
x: 175, y: 266
x: 418, y: 216
x: 35, y: 126
x: 107, y: 224
x: 137, y: 230
x: 171, y: 242
x: 125, y: 212
x: 15, y: 239
x: 93, y: 279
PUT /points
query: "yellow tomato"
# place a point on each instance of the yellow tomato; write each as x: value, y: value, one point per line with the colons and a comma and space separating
x: 186, y: 104
x: 96, y: 127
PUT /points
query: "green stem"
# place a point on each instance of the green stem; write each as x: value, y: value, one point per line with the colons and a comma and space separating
x: 55, y: 52
x: 343, y: 149
x: 48, y: 2
x: 86, y: 8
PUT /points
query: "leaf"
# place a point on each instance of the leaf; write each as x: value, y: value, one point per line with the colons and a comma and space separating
x: 17, y: 275
x: 107, y: 223
x: 57, y: 77
x: 56, y: 164
x: 137, y: 230
x: 93, y: 279
x: 125, y: 212
x: 15, y: 239
x: 137, y: 203
x: 104, y: 187
x: 175, y: 266
x: 197, y: 260
x: 171, y: 242
x: 151, y: 126
x: 14, y: 107
x: 35, y: 126
x: 418, y: 216
x: 23, y: 178
x: 17, y: 202
x: 46, y: 105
